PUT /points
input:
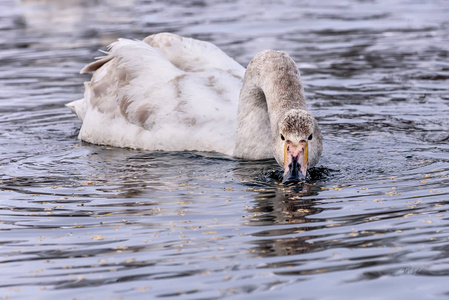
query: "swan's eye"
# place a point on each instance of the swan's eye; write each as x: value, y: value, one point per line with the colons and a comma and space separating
x: 282, y: 137
x: 310, y: 137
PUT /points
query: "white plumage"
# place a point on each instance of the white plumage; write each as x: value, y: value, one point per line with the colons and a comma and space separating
x: 164, y: 93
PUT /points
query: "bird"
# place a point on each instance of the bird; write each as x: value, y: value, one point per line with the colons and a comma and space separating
x: 173, y: 93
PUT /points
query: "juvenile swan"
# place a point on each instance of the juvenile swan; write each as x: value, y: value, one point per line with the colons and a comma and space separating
x: 173, y: 93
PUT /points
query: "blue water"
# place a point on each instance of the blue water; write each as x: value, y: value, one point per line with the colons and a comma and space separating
x: 93, y: 222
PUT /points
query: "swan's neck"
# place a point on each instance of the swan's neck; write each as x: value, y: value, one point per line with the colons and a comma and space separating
x: 271, y: 87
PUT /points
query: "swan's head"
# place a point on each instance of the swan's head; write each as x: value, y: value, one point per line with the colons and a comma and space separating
x: 292, y: 144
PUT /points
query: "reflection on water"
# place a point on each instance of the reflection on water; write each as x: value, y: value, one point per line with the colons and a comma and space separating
x: 287, y: 206
x: 94, y: 221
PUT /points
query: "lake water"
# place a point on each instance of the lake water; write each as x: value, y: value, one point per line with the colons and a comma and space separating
x: 93, y: 222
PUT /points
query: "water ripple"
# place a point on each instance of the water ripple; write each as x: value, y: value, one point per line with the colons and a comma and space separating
x: 122, y: 223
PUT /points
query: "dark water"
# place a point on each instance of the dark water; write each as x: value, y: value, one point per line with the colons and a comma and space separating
x: 88, y: 222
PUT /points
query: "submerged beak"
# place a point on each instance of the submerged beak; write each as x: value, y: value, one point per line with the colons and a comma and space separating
x: 296, y: 161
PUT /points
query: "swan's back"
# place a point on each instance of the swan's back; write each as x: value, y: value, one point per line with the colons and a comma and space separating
x: 163, y: 93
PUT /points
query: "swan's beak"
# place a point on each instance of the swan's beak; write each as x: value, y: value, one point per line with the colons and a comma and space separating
x: 296, y: 161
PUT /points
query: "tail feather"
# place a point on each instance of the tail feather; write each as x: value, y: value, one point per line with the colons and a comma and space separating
x: 78, y: 108
x: 95, y: 65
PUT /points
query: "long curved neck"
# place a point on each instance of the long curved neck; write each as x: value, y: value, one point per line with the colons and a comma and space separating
x: 271, y: 87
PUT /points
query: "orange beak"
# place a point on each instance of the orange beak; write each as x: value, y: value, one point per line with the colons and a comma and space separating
x: 296, y: 161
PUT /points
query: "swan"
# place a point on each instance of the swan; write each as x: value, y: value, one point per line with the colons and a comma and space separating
x: 174, y: 93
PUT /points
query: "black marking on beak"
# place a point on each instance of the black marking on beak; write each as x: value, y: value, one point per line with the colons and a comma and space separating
x: 293, y: 175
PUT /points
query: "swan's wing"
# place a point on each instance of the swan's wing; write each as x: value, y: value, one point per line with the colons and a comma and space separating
x: 185, y: 53
x: 152, y: 97
x: 193, y: 55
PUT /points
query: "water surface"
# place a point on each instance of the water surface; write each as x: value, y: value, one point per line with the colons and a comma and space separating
x: 85, y: 221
